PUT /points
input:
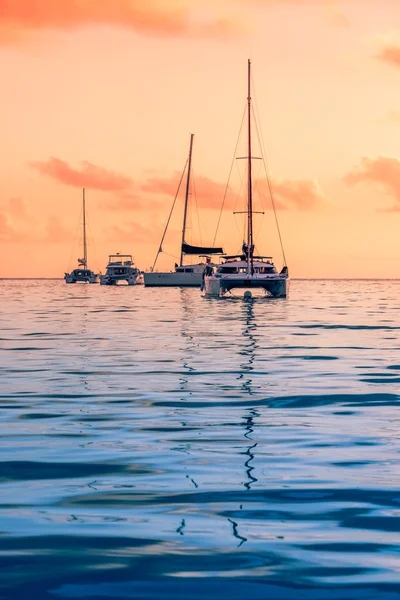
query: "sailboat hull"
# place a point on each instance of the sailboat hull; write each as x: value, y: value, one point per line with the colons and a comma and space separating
x: 173, y: 279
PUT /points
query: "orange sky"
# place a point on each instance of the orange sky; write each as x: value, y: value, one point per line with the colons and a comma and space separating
x: 104, y: 94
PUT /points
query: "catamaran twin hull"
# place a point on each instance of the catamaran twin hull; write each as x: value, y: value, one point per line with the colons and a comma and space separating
x: 274, y: 286
x: 173, y: 279
x: 81, y: 276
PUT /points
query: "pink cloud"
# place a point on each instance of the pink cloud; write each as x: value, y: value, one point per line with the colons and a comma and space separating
x: 390, y: 54
x: 18, y: 224
x: 89, y: 175
x: 149, y: 17
x: 293, y: 194
x: 384, y: 172
x: 301, y: 194
x: 156, y: 191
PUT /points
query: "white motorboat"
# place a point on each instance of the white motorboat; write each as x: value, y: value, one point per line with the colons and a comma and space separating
x: 121, y: 268
x: 82, y: 274
x: 245, y: 271
x: 183, y: 275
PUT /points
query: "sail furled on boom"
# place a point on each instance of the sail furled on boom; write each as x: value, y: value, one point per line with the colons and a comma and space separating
x: 200, y: 250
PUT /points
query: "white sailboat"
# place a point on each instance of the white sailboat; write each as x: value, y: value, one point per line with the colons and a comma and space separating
x: 82, y: 274
x: 245, y: 271
x: 184, y: 275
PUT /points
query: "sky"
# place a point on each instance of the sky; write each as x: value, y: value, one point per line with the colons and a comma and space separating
x: 104, y: 94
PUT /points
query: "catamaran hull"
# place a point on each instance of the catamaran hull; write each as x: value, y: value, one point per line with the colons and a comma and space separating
x: 173, y: 279
x: 277, y: 287
x: 133, y: 280
x: 72, y: 279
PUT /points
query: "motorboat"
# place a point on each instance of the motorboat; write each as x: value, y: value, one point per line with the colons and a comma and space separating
x: 183, y: 275
x: 82, y: 274
x: 121, y: 268
x: 246, y: 272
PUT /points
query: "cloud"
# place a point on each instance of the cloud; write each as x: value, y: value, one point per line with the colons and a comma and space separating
x: 156, y: 191
x: 18, y: 224
x: 383, y: 171
x: 301, y: 194
x: 162, y: 18
x: 390, y: 54
x: 89, y: 175
x: 293, y: 194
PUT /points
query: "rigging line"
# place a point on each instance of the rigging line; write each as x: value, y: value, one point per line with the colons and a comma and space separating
x: 170, y: 215
x: 197, y: 206
x: 171, y: 255
x: 261, y: 140
x: 229, y: 176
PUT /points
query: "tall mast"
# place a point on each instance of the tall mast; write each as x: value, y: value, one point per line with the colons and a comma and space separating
x: 84, y: 231
x: 249, y: 180
x: 187, y: 195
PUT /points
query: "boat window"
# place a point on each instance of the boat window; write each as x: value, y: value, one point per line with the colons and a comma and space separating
x: 119, y: 271
x: 180, y: 270
x: 188, y: 270
x: 227, y: 270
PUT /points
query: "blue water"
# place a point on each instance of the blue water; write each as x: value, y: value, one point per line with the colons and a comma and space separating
x: 159, y: 445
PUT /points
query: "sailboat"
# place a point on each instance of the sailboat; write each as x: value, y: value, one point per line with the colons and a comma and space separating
x: 82, y: 274
x: 245, y: 271
x: 184, y: 275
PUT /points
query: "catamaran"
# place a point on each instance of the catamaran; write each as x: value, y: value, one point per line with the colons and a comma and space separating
x: 121, y: 267
x: 82, y: 274
x: 245, y: 271
x: 183, y: 275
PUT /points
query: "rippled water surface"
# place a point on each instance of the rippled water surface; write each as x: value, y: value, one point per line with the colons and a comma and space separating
x: 159, y: 445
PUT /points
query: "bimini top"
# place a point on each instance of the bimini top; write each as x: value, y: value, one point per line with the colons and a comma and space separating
x: 120, y: 259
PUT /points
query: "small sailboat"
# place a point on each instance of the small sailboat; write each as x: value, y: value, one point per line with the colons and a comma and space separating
x: 245, y: 271
x: 82, y: 274
x: 121, y: 267
x: 184, y: 275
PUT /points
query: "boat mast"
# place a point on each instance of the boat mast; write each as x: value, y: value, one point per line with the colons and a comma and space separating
x: 84, y: 231
x: 186, y: 196
x: 250, y: 268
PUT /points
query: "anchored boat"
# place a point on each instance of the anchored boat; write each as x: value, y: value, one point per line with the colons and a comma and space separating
x: 245, y: 271
x: 120, y: 267
x: 82, y: 274
x: 184, y: 275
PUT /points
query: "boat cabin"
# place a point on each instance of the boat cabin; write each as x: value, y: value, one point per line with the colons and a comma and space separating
x: 115, y: 260
x: 236, y: 265
x: 81, y: 273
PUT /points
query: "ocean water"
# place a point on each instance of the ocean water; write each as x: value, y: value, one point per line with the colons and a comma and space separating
x: 159, y: 445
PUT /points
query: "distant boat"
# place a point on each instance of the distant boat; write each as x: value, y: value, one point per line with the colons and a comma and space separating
x: 190, y: 275
x: 121, y: 267
x: 246, y: 271
x: 82, y: 274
